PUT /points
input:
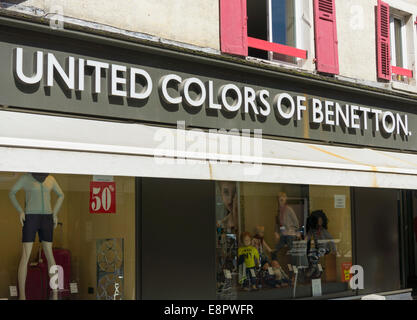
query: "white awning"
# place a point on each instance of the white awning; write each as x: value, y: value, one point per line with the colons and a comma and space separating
x: 43, y: 143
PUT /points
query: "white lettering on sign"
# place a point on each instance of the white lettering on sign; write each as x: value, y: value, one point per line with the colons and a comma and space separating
x: 194, y: 92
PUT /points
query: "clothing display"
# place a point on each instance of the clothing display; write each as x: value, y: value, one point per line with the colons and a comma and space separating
x: 38, y: 195
x: 268, y: 279
x: 251, y: 279
x: 286, y: 222
x: 248, y: 258
x: 283, y: 240
x: 280, y: 274
x: 43, y: 224
x: 248, y: 255
x: 258, y: 243
x: 56, y: 249
x: 317, y: 232
x: 322, y: 239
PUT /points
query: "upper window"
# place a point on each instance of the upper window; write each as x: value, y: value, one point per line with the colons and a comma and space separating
x: 282, y: 26
x: 274, y: 21
x: 394, y: 44
x: 398, y: 34
x: 281, y: 30
x: 398, y: 45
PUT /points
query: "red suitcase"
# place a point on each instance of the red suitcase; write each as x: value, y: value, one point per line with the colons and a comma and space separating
x: 36, y: 283
x: 63, y: 259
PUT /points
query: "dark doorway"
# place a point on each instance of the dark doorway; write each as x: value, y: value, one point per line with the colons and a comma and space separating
x: 178, y: 239
x: 377, y: 238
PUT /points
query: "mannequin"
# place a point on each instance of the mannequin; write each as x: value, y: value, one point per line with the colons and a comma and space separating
x: 323, y: 242
x: 248, y: 259
x: 37, y: 217
x: 286, y: 225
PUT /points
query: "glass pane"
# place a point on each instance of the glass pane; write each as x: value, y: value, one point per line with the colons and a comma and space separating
x: 257, y: 25
x: 414, y: 206
x: 289, y: 236
x: 227, y: 215
x: 398, y: 43
x: 93, y: 240
x: 330, y: 229
x: 283, y: 26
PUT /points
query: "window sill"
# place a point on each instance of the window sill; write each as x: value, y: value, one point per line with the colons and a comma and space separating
x: 277, y: 63
x: 403, y: 87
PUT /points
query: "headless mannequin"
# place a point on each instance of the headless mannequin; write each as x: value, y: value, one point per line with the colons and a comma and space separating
x: 23, y: 265
x: 46, y: 245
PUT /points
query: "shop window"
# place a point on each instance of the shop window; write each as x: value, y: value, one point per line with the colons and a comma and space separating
x: 277, y: 241
x: 86, y: 225
x: 413, y: 239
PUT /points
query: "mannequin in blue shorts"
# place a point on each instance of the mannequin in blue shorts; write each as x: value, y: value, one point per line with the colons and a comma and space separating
x: 37, y: 217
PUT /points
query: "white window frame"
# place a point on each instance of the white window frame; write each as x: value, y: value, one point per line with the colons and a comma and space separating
x: 403, y: 40
x: 299, y: 35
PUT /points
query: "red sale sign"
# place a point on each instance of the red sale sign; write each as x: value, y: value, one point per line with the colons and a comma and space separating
x: 102, y: 197
x: 346, y: 271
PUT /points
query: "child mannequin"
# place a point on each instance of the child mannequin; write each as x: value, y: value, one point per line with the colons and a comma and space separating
x: 259, y: 243
x: 248, y: 260
x: 268, y: 278
x: 280, y: 276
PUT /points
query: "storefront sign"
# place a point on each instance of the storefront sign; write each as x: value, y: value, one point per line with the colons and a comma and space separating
x: 194, y: 93
x: 102, y: 197
x: 146, y: 84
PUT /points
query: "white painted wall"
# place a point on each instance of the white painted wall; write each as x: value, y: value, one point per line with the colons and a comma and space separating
x: 190, y: 21
x: 357, y: 38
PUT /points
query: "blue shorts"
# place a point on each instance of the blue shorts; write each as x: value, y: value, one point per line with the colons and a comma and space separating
x: 43, y: 224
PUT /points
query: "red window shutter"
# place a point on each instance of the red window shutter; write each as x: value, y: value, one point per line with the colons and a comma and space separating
x: 233, y: 27
x: 327, y: 55
x: 383, y: 41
